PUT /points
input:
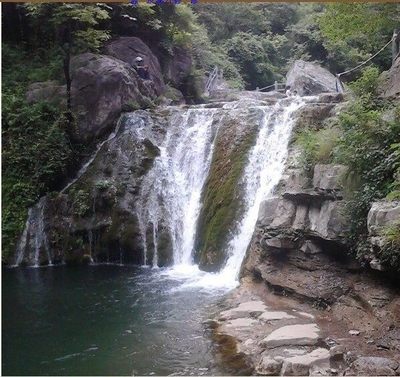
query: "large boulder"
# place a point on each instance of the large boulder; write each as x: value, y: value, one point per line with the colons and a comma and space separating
x: 390, y: 82
x: 310, y: 78
x: 101, y: 86
x: 329, y: 176
x: 128, y: 49
x: 177, y: 68
x: 381, y: 215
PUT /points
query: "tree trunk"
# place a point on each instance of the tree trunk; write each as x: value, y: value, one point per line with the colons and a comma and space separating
x: 66, y: 45
x: 67, y: 75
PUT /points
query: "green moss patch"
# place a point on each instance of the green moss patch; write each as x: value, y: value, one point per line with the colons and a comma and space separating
x: 222, y: 196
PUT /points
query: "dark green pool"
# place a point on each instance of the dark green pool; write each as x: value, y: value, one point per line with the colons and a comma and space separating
x: 104, y: 320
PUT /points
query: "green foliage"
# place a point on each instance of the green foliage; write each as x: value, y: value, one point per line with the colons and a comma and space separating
x: 103, y: 185
x: 390, y: 252
x: 366, y: 85
x: 81, y: 20
x: 256, y: 56
x: 361, y: 28
x: 36, y: 155
x: 394, y: 187
x: 316, y: 146
x: 369, y: 146
x: 80, y: 202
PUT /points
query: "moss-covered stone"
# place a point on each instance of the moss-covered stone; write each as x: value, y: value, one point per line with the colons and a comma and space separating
x: 222, y: 195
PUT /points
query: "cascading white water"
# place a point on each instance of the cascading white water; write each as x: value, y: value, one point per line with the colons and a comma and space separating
x: 171, y: 192
x: 170, y: 196
x: 39, y: 241
x: 262, y: 173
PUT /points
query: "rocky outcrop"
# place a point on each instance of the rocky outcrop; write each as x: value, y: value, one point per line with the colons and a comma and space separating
x: 95, y: 218
x: 309, y: 78
x: 177, y: 67
x: 299, y: 253
x: 101, y: 86
x: 390, y: 82
x: 128, y: 49
x: 381, y: 217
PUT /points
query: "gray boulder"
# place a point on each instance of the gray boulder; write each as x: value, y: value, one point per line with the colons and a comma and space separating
x: 177, y: 67
x: 101, y: 86
x: 390, y: 82
x: 372, y: 366
x: 329, y: 176
x: 381, y: 215
x: 128, y: 49
x: 310, y: 78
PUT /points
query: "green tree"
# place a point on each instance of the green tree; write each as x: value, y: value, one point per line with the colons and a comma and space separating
x: 74, y: 27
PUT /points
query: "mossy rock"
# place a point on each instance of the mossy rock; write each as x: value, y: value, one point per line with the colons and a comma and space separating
x: 222, y: 196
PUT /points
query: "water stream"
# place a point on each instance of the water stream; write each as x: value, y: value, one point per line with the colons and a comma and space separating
x: 113, y: 320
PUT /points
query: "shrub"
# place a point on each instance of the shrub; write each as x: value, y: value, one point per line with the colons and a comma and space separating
x: 390, y: 252
x: 316, y: 146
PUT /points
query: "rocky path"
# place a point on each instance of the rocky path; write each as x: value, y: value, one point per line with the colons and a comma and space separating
x: 259, y: 333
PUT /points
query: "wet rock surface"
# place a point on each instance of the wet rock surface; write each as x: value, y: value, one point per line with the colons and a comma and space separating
x: 95, y: 218
x: 223, y: 193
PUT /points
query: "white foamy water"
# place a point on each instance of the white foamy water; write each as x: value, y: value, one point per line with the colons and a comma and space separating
x: 263, y: 171
x: 170, y: 197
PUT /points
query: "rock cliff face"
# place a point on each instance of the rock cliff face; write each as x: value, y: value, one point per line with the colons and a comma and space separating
x: 305, y: 306
x: 222, y: 194
x: 128, y: 49
x: 302, y: 229
x: 95, y: 218
x: 105, y: 85
x: 390, y: 82
x: 101, y: 86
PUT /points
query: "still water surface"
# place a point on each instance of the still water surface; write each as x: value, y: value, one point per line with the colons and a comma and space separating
x: 104, y: 320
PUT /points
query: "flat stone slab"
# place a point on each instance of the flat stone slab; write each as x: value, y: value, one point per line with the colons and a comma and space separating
x: 241, y: 322
x: 244, y: 309
x: 292, y: 335
x: 300, y: 365
x: 268, y: 366
x: 272, y: 316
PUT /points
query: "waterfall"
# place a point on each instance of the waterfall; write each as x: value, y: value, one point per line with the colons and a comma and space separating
x: 35, y: 227
x: 263, y: 172
x: 169, y: 200
x: 171, y: 191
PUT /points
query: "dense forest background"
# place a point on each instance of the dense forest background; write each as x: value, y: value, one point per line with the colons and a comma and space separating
x: 254, y: 44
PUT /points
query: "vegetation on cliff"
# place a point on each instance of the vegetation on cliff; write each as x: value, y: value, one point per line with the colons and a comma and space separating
x: 254, y: 44
x: 366, y: 137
